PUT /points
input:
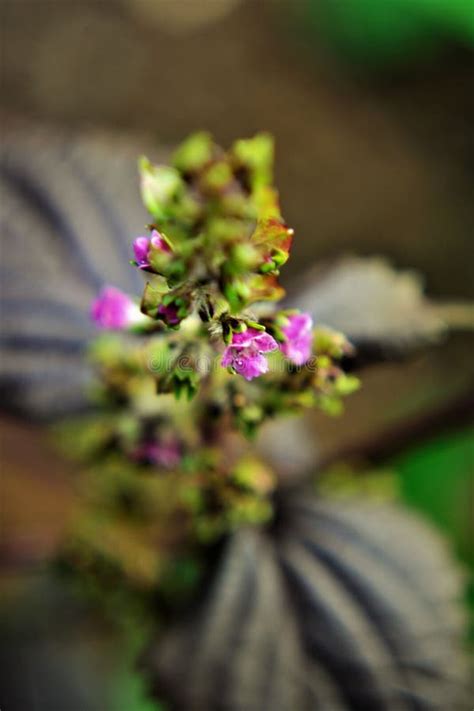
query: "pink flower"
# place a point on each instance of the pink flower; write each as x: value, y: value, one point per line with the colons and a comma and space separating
x: 161, y: 454
x: 244, y: 354
x: 299, y: 338
x: 114, y: 310
x: 141, y: 247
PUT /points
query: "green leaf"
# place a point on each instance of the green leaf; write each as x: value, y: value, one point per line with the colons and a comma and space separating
x: 437, y: 479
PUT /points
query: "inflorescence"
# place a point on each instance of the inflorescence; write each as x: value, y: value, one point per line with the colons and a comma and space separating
x: 209, y: 356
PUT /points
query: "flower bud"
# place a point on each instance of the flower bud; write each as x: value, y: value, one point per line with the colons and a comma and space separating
x: 142, y: 246
x: 159, y: 184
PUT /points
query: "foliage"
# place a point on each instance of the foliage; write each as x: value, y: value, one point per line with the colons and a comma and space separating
x: 390, y: 33
x: 437, y: 479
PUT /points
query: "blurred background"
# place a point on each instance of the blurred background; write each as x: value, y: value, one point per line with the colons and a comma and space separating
x: 371, y: 105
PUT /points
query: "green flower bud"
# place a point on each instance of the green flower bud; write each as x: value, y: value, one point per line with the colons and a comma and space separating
x: 194, y: 152
x: 217, y: 177
x: 159, y: 185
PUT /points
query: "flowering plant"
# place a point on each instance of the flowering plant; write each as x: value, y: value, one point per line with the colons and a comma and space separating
x: 208, y: 359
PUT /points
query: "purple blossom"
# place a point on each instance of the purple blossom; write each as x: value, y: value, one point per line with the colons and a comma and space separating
x: 244, y: 354
x: 140, y: 248
x: 114, y: 310
x: 161, y: 454
x: 169, y: 314
x: 299, y: 338
x: 142, y: 245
